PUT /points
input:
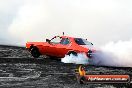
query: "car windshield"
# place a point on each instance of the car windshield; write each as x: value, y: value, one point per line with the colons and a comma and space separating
x: 81, y: 41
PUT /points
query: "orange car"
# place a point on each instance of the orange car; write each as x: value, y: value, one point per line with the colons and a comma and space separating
x: 59, y: 46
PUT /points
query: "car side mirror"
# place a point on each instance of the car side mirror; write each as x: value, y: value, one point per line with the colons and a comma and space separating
x: 47, y: 40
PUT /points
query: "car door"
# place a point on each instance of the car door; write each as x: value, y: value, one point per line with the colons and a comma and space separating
x: 53, y: 45
x: 63, y: 47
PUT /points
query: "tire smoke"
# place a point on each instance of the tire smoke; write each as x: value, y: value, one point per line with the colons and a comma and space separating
x: 79, y: 59
x: 117, y: 54
x: 114, y: 54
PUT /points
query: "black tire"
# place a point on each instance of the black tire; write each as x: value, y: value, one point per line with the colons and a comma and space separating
x: 72, y: 52
x: 35, y: 52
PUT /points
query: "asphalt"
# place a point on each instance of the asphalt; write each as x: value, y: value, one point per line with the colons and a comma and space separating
x: 18, y: 69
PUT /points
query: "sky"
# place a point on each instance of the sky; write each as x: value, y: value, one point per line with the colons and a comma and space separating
x: 100, y: 21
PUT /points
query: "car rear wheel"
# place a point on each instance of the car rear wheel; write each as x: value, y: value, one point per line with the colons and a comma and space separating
x: 72, y: 52
x: 35, y: 52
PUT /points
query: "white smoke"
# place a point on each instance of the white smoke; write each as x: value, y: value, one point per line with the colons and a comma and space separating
x: 79, y: 59
x: 36, y: 20
x: 115, y: 54
x: 112, y: 54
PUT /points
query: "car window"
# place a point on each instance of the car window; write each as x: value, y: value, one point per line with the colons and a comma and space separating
x: 81, y: 41
x: 65, y: 41
x: 56, y: 40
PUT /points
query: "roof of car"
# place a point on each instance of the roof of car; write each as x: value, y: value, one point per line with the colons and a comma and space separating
x: 69, y: 37
x: 66, y: 37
